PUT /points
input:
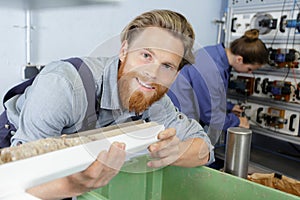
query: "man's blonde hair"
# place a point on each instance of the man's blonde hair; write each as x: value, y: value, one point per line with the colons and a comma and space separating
x: 172, y: 21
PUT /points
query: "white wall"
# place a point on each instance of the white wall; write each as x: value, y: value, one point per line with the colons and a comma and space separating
x: 12, y: 48
x: 76, y: 31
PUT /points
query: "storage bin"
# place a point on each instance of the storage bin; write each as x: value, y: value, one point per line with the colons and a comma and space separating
x: 136, y: 182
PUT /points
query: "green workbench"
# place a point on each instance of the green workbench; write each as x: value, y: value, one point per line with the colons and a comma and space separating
x: 137, y: 182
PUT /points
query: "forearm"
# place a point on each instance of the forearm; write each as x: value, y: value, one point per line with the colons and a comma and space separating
x: 231, y: 120
x: 193, y: 152
x: 97, y: 175
x: 53, y: 190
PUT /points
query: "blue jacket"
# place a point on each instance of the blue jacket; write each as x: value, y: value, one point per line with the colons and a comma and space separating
x: 200, y: 89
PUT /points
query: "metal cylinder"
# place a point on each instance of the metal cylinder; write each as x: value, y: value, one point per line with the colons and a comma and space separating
x: 237, y: 153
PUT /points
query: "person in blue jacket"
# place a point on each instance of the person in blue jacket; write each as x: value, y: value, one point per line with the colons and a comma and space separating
x: 200, y: 89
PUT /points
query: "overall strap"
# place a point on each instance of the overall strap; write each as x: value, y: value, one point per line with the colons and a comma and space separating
x: 18, y: 89
x: 90, y: 90
x: 88, y: 83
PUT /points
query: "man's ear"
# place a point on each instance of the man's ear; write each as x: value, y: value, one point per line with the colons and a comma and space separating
x: 123, y: 50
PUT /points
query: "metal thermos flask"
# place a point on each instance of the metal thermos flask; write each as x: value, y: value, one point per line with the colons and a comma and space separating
x: 237, y: 153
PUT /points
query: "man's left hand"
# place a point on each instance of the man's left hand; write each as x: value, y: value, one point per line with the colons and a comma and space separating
x: 166, y: 150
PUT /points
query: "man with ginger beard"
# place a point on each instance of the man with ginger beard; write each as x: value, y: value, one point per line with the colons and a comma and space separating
x: 155, y: 46
x: 137, y: 101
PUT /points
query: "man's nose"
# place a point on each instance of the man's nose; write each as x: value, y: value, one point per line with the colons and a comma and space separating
x: 152, y: 70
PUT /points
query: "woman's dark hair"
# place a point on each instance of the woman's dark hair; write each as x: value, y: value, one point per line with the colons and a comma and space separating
x: 251, y: 48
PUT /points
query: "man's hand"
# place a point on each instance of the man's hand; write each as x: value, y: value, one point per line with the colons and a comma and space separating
x: 98, y: 174
x: 166, y: 150
x: 169, y: 150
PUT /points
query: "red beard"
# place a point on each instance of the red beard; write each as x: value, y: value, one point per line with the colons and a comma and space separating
x: 138, y: 101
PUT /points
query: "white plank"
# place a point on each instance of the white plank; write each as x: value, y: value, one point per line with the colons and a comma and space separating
x: 23, y: 174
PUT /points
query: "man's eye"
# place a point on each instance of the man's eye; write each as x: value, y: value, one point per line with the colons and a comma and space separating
x: 168, y: 67
x: 146, y: 55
